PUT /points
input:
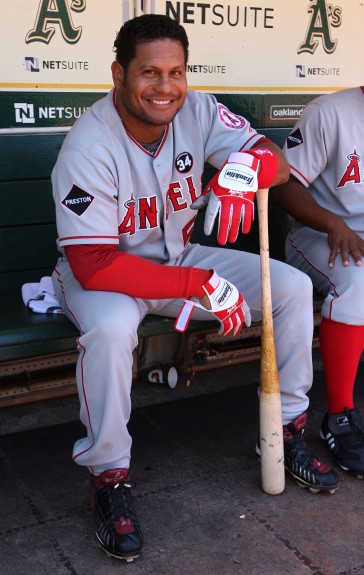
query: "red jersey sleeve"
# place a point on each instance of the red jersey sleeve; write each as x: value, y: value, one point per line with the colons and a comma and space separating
x: 105, y: 268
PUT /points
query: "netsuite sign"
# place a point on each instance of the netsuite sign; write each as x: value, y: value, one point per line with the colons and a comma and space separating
x: 26, y: 113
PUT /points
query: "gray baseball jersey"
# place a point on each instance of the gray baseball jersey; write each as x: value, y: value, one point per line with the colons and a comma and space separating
x: 326, y: 154
x: 109, y: 189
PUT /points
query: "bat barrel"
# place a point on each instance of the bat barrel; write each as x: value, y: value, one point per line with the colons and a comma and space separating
x: 271, y: 444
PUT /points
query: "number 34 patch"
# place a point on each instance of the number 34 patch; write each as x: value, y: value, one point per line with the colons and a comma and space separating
x: 184, y: 162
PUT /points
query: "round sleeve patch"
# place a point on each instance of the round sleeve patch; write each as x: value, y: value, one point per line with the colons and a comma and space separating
x: 230, y: 119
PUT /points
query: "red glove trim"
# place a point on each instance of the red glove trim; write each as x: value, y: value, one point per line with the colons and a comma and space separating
x: 268, y: 165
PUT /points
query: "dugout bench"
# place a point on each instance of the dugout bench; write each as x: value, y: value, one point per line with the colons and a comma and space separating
x: 38, y: 351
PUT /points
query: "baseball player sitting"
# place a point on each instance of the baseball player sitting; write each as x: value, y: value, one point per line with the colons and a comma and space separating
x: 324, y: 195
x: 124, y: 184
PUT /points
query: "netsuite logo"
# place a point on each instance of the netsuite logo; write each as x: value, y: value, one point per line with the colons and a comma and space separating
x: 27, y: 114
x: 31, y: 64
x: 303, y: 71
x: 24, y: 113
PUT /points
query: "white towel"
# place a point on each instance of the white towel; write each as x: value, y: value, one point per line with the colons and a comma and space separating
x: 40, y: 297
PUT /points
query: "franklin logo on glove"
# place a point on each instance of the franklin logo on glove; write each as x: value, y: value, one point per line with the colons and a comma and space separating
x: 227, y: 291
x: 235, y: 175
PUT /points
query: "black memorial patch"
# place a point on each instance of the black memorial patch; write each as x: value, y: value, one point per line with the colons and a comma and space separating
x: 184, y: 162
x: 77, y: 200
x: 294, y: 139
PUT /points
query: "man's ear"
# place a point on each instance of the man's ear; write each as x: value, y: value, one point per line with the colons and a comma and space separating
x: 117, y: 74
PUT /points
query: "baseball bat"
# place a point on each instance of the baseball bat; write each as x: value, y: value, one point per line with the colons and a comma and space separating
x: 270, y: 411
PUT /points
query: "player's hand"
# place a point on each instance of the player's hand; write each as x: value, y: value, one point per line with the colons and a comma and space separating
x: 344, y: 241
x: 223, y: 301
x: 231, y: 192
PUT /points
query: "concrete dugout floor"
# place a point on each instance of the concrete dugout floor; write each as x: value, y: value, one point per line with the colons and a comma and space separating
x: 198, y: 494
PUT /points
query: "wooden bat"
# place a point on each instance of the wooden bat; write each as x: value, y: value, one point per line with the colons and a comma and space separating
x: 270, y: 411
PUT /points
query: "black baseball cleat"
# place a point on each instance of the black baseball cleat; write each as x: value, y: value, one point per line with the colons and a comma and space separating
x: 344, y: 433
x: 299, y: 460
x: 117, y: 528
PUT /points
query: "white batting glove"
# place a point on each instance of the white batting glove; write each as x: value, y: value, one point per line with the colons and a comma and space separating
x: 230, y: 195
x: 227, y: 305
x: 231, y: 192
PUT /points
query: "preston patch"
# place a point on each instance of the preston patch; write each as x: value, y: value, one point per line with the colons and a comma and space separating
x: 77, y: 200
x: 294, y: 139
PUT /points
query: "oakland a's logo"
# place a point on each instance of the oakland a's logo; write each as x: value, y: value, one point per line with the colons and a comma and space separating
x: 322, y: 17
x: 51, y: 12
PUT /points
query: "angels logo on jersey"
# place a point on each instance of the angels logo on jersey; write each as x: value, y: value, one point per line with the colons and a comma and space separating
x: 145, y: 209
x: 229, y: 119
x: 352, y: 172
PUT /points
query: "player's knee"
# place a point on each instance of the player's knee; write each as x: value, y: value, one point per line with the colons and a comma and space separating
x: 296, y: 287
x: 118, y: 329
x: 303, y: 285
x: 350, y: 303
x: 355, y: 289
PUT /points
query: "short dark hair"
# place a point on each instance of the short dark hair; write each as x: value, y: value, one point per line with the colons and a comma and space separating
x: 147, y: 28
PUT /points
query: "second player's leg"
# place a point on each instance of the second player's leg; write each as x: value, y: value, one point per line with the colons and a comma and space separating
x: 342, y: 285
x: 341, y: 342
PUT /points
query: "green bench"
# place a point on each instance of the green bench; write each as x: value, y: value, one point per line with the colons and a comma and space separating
x: 38, y: 351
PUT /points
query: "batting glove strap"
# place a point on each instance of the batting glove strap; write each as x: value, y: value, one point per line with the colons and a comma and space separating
x: 227, y: 305
x: 268, y: 166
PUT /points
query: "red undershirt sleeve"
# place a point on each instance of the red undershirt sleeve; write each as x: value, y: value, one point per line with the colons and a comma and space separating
x: 104, y: 267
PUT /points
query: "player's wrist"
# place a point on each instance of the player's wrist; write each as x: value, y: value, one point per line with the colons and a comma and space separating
x: 332, y: 222
x: 268, y: 166
x: 205, y: 302
x: 198, y: 279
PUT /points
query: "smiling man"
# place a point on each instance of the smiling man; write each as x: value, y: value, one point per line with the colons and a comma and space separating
x: 126, y: 184
x: 151, y: 89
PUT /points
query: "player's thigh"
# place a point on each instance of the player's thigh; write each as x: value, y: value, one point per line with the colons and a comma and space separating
x: 309, y: 252
x: 341, y: 285
x: 109, y: 314
x: 243, y: 270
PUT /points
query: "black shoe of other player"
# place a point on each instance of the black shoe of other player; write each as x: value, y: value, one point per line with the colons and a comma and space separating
x: 344, y: 433
x: 307, y: 469
x: 117, y: 528
x: 300, y: 461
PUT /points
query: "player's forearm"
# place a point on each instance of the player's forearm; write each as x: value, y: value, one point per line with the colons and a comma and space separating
x: 298, y: 203
x: 282, y: 174
x: 105, y: 268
